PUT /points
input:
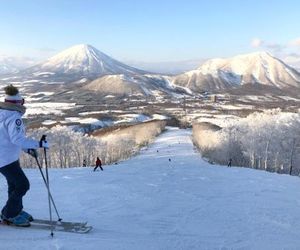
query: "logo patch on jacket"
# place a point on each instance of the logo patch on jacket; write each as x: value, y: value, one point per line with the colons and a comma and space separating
x: 18, y: 122
x: 18, y: 125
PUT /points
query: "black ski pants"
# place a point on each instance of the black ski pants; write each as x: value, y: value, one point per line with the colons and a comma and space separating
x: 98, y: 166
x: 18, y: 185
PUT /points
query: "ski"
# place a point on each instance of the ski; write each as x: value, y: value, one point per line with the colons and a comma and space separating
x: 67, y: 227
x: 75, y: 227
x: 67, y: 223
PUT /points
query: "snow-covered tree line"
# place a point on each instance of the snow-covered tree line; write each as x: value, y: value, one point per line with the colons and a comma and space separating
x: 70, y: 148
x: 268, y: 140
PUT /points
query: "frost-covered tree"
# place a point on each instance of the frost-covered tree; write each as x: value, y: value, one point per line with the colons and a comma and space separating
x: 269, y: 140
x: 70, y: 148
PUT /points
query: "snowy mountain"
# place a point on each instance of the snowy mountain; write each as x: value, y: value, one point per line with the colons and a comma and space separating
x: 255, y: 68
x: 95, y: 71
x: 9, y: 65
x: 145, y: 85
x: 80, y: 62
x: 7, y: 68
x: 119, y: 85
x: 149, y: 202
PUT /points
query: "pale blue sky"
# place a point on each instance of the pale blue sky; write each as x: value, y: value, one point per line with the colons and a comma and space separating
x: 156, y: 30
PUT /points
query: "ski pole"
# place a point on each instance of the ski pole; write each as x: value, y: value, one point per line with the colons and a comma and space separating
x: 46, y: 184
x: 47, y: 179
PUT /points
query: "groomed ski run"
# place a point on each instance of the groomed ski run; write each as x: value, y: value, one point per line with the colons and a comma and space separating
x: 167, y: 197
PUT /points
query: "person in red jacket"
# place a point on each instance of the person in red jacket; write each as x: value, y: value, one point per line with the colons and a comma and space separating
x: 98, y: 164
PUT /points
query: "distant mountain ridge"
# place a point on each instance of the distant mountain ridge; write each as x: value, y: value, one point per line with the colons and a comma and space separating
x: 95, y: 71
x: 255, y: 68
x: 11, y: 64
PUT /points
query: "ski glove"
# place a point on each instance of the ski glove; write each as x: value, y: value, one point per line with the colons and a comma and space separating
x: 32, y: 152
x: 43, y: 142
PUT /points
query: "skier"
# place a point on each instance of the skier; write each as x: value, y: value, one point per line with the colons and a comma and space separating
x: 84, y: 163
x: 98, y: 164
x: 13, y: 139
x: 229, y: 163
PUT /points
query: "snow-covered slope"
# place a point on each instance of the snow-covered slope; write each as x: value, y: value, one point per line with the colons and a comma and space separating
x: 129, y: 84
x: 83, y: 61
x: 151, y: 202
x: 6, y: 68
x: 259, y: 67
x: 118, y: 85
x: 10, y: 65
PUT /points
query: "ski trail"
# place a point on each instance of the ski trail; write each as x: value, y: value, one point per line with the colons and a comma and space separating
x: 186, y: 203
x: 166, y: 197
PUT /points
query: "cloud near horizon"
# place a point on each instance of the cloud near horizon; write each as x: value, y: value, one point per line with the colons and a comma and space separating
x: 277, y: 47
x: 295, y: 42
x: 288, y: 52
x: 259, y: 43
x: 256, y: 42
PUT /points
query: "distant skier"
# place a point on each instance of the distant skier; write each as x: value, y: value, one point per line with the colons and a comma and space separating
x: 229, y: 163
x: 84, y: 163
x: 13, y: 139
x: 98, y: 164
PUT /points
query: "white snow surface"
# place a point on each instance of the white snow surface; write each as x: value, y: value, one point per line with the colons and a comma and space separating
x: 132, y: 118
x: 49, y: 122
x: 92, y: 121
x: 47, y: 108
x: 149, y: 202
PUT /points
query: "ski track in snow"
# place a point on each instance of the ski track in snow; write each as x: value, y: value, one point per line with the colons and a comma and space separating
x: 149, y: 202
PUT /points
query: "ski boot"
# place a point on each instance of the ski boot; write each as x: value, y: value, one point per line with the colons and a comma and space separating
x: 26, y: 215
x: 18, y: 221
